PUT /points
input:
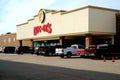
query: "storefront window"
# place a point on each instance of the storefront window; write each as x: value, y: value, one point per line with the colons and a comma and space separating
x: 46, y: 43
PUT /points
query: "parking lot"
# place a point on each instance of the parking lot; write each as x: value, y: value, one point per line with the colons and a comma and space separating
x: 72, y: 63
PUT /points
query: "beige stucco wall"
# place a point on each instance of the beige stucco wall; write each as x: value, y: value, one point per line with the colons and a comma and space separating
x: 75, y: 22
x: 61, y: 24
x: 102, y: 21
x: 80, y: 21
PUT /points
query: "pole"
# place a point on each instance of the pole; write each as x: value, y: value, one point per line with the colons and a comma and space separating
x: 113, y: 60
x: 104, y: 59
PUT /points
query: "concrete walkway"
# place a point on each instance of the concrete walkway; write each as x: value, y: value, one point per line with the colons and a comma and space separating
x: 73, y: 63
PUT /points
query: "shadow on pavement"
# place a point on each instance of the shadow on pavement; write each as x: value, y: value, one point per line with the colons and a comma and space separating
x: 25, y: 71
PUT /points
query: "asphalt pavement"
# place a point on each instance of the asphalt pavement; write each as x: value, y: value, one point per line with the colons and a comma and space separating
x: 32, y: 67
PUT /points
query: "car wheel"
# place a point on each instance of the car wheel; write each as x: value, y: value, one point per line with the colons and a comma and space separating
x: 18, y: 53
x: 38, y: 53
x: 82, y: 56
x: 69, y: 55
x: 50, y: 54
x: 102, y: 56
x: 62, y: 55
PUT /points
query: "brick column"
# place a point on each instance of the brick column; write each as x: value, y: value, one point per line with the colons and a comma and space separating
x: 20, y: 42
x: 88, y: 40
x: 32, y: 44
x: 61, y: 41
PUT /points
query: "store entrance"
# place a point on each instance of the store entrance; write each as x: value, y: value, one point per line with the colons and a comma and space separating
x: 67, y: 42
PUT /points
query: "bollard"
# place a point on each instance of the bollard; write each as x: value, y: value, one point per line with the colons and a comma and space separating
x: 104, y: 59
x: 113, y: 60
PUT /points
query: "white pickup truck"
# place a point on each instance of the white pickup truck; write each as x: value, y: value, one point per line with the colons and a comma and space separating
x: 74, y: 50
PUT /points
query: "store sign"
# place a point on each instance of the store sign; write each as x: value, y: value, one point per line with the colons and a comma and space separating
x: 41, y: 16
x: 42, y: 28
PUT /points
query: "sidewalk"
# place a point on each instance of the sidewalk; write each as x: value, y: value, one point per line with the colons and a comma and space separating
x: 74, y: 63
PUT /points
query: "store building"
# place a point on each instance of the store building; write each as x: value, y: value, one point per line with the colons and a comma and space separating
x: 86, y: 25
x: 9, y: 39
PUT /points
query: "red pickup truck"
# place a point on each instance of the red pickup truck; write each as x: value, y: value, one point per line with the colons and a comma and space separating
x: 75, y: 50
x: 98, y: 51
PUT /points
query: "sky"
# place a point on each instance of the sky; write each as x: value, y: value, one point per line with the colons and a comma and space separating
x: 14, y: 12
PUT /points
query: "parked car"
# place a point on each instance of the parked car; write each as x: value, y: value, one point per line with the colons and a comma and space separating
x: 1, y: 49
x: 8, y: 49
x: 40, y: 50
x: 47, y: 50
x: 75, y: 50
x: 107, y: 50
x: 24, y: 49
x: 59, y: 49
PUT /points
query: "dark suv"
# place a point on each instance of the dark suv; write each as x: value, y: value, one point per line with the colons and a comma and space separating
x: 107, y: 50
x: 46, y: 50
x: 24, y: 49
x: 41, y: 50
x: 8, y: 49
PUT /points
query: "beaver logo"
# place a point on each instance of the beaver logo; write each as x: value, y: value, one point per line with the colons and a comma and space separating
x: 41, y: 16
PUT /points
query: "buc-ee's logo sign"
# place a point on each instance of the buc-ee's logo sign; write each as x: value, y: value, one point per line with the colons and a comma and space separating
x: 42, y: 27
x: 41, y: 16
